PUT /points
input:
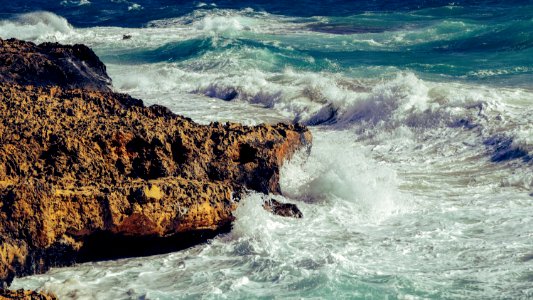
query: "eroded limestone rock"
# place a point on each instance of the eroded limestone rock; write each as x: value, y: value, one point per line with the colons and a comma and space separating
x: 81, y: 169
x: 24, y: 295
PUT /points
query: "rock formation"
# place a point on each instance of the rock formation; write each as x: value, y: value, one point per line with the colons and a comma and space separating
x: 87, y: 174
x: 282, y: 209
x: 52, y: 64
x: 24, y: 295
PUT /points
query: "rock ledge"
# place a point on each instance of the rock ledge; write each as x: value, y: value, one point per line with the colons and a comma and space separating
x: 84, y: 170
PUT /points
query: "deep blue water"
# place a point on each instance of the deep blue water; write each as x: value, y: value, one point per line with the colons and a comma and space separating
x: 486, y: 41
x: 115, y: 12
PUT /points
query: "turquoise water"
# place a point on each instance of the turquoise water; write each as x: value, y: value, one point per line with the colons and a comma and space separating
x: 419, y: 184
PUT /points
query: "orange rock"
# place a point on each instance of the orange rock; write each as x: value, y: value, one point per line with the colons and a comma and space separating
x: 91, y: 174
x: 24, y: 295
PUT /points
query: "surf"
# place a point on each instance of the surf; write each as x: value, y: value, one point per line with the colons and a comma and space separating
x: 419, y: 181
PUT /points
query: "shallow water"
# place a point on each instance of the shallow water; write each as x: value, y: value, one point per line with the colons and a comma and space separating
x: 420, y: 180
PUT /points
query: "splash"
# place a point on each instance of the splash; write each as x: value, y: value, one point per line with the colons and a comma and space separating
x: 36, y: 26
x: 419, y: 181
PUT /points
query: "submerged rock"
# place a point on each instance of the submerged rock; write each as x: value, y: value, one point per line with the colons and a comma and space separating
x: 282, y: 209
x: 90, y: 174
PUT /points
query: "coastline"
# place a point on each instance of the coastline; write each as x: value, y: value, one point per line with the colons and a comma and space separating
x: 83, y: 169
x: 418, y: 184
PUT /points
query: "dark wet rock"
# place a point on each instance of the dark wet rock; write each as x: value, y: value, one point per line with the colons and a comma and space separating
x: 282, y: 209
x: 76, y: 66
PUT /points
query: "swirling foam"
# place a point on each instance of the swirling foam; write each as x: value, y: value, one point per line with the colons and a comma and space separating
x: 400, y: 194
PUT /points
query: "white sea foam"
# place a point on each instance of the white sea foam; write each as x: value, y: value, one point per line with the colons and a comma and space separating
x: 36, y: 26
x: 408, y: 204
x: 357, y: 226
x: 399, y: 193
x: 75, y: 2
x: 340, y: 172
x: 382, y: 108
x: 397, y: 114
x: 404, y: 100
x: 135, y: 6
x: 218, y: 24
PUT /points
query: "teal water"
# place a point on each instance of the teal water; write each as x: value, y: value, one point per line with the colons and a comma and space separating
x: 419, y: 184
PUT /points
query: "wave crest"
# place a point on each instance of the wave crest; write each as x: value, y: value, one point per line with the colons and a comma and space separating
x: 35, y: 26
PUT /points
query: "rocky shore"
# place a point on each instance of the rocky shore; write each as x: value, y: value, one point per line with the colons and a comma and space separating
x: 89, y: 174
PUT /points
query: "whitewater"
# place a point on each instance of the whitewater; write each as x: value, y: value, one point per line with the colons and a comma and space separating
x: 419, y: 182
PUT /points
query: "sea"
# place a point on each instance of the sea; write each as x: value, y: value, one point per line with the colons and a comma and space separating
x: 419, y: 182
